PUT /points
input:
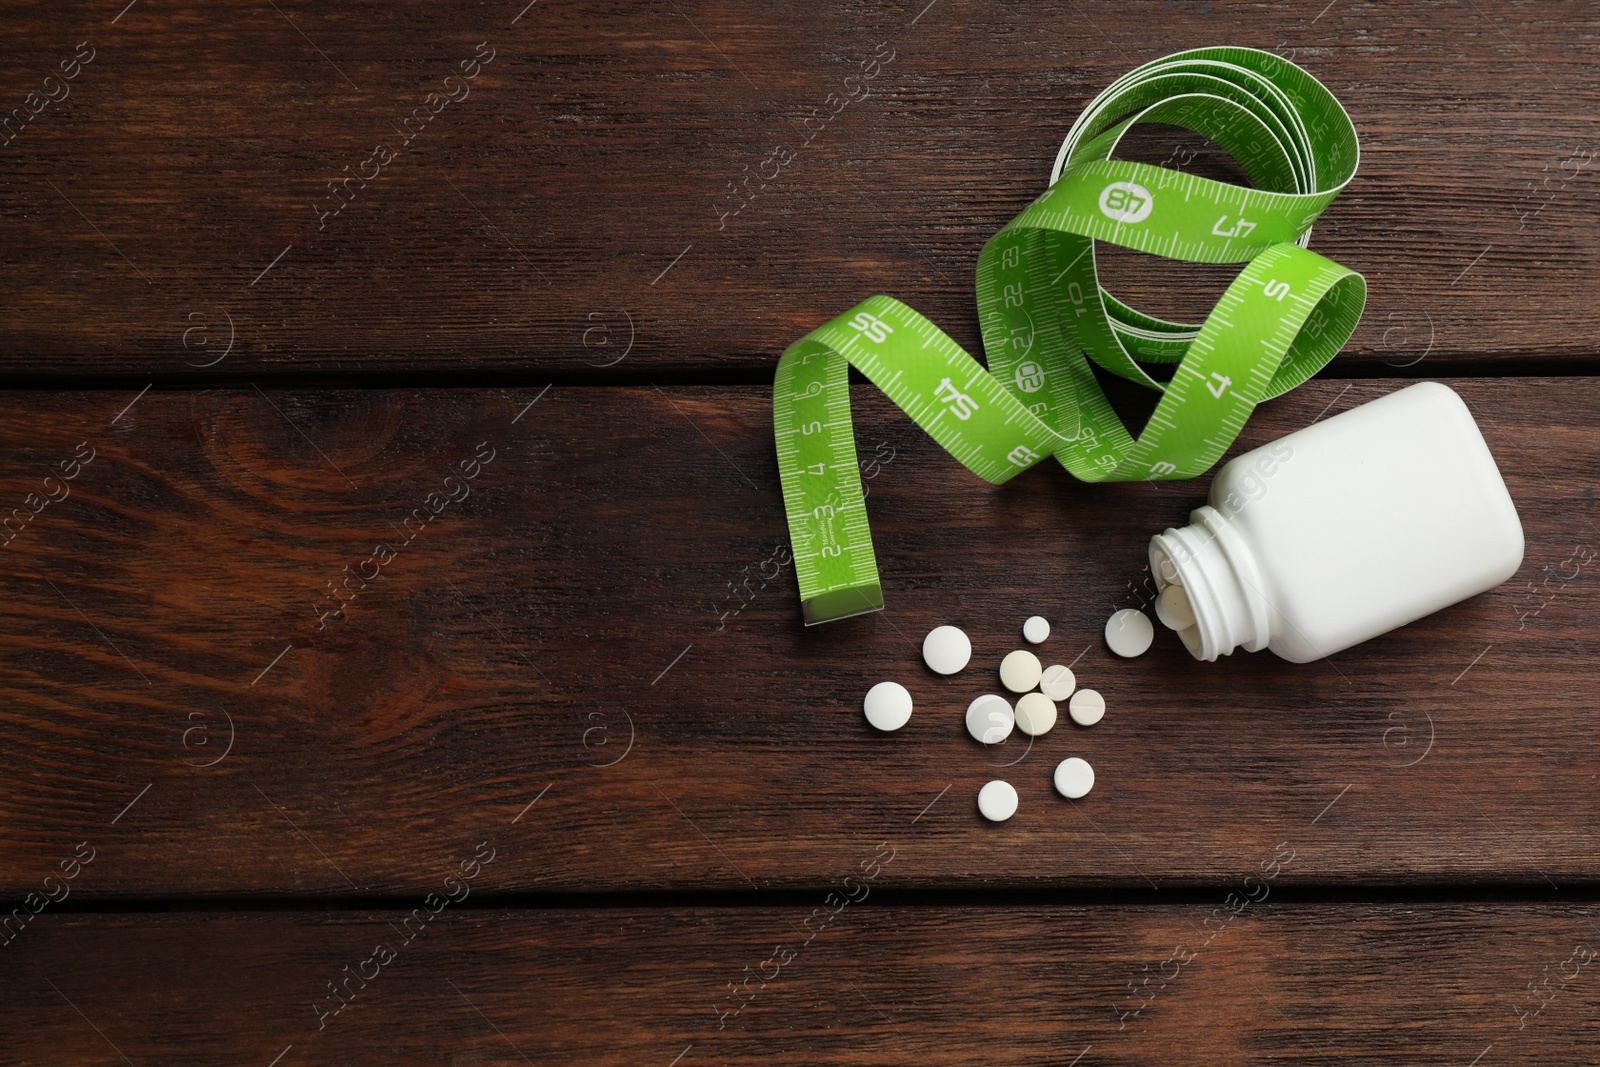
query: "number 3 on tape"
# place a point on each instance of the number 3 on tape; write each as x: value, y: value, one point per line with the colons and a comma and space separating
x: 1045, y: 316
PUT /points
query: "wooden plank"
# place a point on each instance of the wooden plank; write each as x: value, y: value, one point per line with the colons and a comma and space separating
x: 582, y: 607
x: 1415, y: 984
x: 174, y: 216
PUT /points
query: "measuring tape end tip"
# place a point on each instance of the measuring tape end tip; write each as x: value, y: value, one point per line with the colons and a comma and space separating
x: 842, y: 604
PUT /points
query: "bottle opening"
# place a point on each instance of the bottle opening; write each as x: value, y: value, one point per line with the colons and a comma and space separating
x: 1220, y: 582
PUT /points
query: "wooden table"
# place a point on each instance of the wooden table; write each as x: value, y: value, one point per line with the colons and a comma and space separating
x: 558, y: 776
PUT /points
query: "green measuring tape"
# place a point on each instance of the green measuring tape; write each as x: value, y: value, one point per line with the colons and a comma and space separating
x: 1043, y: 311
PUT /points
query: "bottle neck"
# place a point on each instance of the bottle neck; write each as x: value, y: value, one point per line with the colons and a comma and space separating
x: 1223, y: 583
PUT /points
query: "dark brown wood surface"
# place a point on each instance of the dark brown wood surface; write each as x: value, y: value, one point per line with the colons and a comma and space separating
x: 444, y: 570
x: 1415, y: 984
x: 602, y: 586
x: 173, y: 213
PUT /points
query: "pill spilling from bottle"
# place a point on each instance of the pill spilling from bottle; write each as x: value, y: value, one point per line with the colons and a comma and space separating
x: 1129, y: 633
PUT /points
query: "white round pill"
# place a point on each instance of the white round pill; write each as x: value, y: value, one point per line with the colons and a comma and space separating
x: 1036, y: 714
x: 946, y: 649
x: 1173, y: 608
x: 1165, y: 570
x: 1057, y: 682
x: 990, y: 718
x: 1074, y: 778
x: 997, y: 801
x: 1087, y: 708
x: 1020, y: 671
x: 888, y: 706
x: 1129, y: 632
x: 1036, y: 629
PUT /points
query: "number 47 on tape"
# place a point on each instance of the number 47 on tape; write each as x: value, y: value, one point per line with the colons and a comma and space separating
x: 1241, y: 228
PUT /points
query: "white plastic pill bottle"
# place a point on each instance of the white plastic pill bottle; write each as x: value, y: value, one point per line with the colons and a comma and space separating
x: 1341, y: 531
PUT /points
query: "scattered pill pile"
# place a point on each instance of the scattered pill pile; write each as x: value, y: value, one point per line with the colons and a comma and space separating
x: 991, y: 718
x: 1172, y: 605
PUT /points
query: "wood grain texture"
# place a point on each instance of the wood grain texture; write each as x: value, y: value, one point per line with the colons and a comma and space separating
x: 1422, y: 984
x: 598, y: 599
x: 170, y: 217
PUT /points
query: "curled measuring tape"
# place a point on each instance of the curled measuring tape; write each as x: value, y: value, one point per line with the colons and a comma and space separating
x: 1043, y: 311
